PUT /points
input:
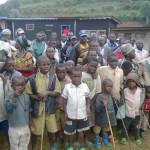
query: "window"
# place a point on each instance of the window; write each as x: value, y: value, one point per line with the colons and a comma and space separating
x: 49, y: 27
x: 98, y: 32
x: 29, y: 26
x: 65, y: 29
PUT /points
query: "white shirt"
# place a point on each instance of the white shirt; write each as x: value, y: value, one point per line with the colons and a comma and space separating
x: 140, y: 55
x: 132, y: 102
x: 101, y: 50
x: 63, y: 44
x: 76, y: 100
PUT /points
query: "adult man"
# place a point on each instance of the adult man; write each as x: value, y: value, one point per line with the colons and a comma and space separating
x: 111, y: 43
x: 80, y: 50
x: 104, y: 50
x: 141, y: 54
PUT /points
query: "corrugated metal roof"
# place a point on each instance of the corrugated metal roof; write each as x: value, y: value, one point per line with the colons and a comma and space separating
x: 67, y: 18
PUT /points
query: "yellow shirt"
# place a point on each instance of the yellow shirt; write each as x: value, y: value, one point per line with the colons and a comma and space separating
x: 42, y: 84
x: 116, y: 75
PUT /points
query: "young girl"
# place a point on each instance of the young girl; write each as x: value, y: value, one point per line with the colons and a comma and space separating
x: 104, y: 103
x: 133, y: 101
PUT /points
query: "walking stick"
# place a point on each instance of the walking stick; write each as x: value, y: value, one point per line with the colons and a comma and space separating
x: 146, y: 119
x: 43, y: 124
x: 123, y: 125
x: 110, y: 126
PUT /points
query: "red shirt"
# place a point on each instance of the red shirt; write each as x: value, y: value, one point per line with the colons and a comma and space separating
x: 120, y: 55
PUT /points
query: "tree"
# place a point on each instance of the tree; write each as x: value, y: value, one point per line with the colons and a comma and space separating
x: 145, y: 11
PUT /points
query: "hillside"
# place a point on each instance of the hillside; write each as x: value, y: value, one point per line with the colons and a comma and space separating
x: 122, y: 9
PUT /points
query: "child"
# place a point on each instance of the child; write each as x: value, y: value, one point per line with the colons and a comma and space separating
x: 17, y: 105
x: 133, y: 102
x: 10, y: 71
x: 146, y: 110
x: 113, y: 73
x: 5, y: 88
x: 50, y: 52
x: 77, y: 107
x: 69, y: 65
x: 43, y: 89
x: 61, y: 75
x: 94, y: 84
x: 104, y: 101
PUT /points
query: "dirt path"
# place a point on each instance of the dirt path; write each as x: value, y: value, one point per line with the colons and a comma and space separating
x: 146, y: 142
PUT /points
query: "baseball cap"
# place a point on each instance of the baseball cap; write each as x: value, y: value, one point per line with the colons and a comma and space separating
x: 83, y: 33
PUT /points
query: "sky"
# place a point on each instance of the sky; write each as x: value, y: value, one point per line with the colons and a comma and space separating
x: 3, y: 1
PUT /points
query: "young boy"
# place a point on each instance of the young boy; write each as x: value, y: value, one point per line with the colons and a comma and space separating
x: 50, y: 52
x: 104, y: 103
x: 113, y: 73
x: 69, y: 65
x: 77, y: 107
x: 61, y: 75
x: 5, y: 88
x: 133, y: 102
x: 43, y: 89
x: 10, y: 71
x: 18, y: 108
x: 94, y: 85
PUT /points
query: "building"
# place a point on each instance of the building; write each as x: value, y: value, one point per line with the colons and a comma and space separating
x: 135, y: 30
x: 99, y: 25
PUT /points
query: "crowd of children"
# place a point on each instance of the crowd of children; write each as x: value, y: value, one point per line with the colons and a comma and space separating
x: 78, y: 89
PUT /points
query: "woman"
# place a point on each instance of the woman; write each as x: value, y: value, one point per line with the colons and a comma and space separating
x: 23, y: 59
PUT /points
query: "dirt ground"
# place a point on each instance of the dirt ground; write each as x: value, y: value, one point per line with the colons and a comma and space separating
x: 146, y: 142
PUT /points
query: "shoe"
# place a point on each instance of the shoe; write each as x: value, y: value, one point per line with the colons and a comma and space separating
x: 138, y: 143
x: 105, y: 140
x: 123, y: 141
x: 97, y: 144
x: 142, y: 134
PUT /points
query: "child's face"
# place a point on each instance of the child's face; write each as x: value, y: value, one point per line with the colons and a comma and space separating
x: 94, y: 47
x: 10, y: 66
x: 108, y: 87
x: 92, y: 67
x: 132, y: 84
x: 53, y: 43
x: 69, y: 66
x: 19, y: 85
x: 76, y: 77
x: 113, y: 62
x: 44, y: 66
x: 61, y: 73
x: 50, y: 53
x: 92, y: 54
x: 126, y: 71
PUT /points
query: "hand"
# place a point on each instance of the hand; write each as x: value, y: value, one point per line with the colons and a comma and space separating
x: 88, y: 112
x: 43, y: 96
x: 16, y: 93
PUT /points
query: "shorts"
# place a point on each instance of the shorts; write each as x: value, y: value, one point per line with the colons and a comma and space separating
x: 19, y: 137
x: 73, y: 125
x: 38, y: 125
x: 97, y: 129
x: 60, y: 119
x: 4, y: 126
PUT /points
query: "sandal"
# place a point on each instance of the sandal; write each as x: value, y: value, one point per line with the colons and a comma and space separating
x: 138, y: 143
x: 89, y: 145
x: 70, y: 148
x: 123, y: 141
x: 76, y: 144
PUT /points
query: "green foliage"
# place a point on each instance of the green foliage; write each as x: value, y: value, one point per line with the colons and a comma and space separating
x: 107, y: 8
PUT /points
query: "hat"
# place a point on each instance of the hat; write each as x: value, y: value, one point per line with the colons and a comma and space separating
x: 133, y: 76
x: 20, y: 31
x: 83, y: 33
x: 6, y: 32
x: 73, y: 37
x: 126, y: 49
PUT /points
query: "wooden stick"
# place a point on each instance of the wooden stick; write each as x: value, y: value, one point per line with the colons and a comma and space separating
x: 110, y: 127
x: 43, y: 124
x: 146, y: 119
